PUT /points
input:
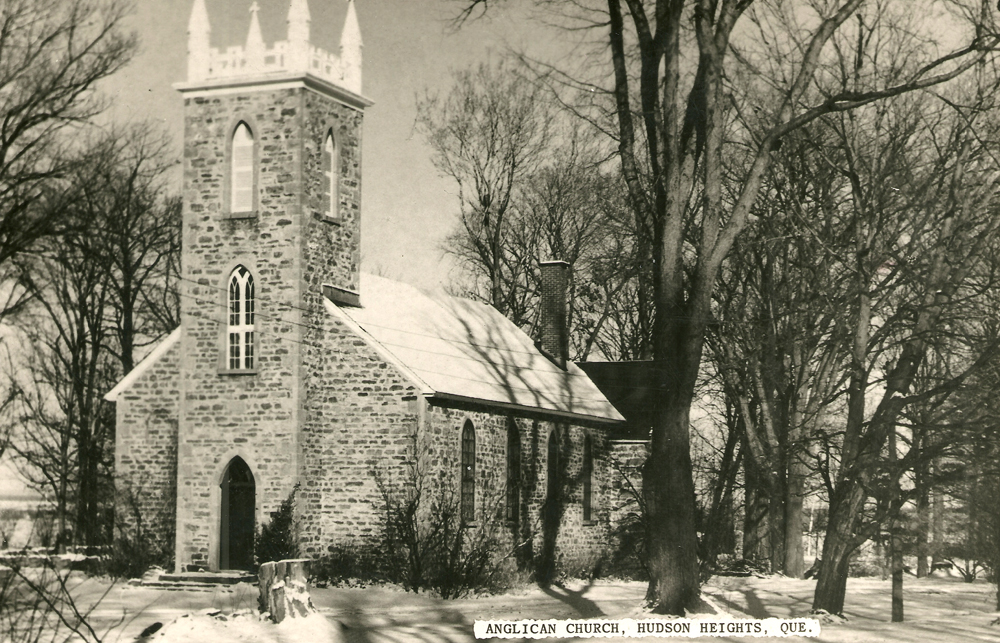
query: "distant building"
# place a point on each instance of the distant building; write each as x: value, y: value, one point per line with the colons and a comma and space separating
x: 292, y: 367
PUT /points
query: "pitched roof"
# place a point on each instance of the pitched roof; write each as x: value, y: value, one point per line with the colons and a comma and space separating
x: 627, y: 385
x: 126, y: 382
x: 459, y: 349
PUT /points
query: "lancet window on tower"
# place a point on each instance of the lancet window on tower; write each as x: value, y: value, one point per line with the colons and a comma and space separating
x: 242, y: 174
x: 331, y: 162
x: 242, y: 313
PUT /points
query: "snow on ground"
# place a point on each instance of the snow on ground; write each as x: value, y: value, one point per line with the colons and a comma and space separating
x: 247, y: 628
x: 938, y: 610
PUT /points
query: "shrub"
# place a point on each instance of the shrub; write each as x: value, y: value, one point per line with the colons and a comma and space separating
x: 426, y: 545
x: 362, y: 563
x: 141, y: 541
x: 276, y: 538
x: 627, y: 559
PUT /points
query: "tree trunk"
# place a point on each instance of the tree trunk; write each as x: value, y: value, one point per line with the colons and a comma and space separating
x: 776, y: 511
x: 668, y: 488
x: 839, y: 544
x: 718, y: 529
x: 897, y: 574
x: 794, y: 566
x: 921, y: 483
x: 895, y: 541
x: 937, y: 526
x: 755, y: 514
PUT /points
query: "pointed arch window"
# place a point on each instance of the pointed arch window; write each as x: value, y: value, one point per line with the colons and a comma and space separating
x: 588, y: 479
x: 552, y: 467
x: 241, y: 178
x: 242, y: 312
x: 331, y: 161
x: 468, y: 508
x: 513, y: 471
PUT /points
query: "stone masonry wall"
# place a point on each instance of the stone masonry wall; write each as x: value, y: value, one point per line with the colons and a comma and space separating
x: 627, y: 458
x: 224, y: 414
x: 146, y: 448
x: 579, y: 545
x: 361, y: 418
x: 627, y: 536
x: 291, y: 250
x: 332, y: 247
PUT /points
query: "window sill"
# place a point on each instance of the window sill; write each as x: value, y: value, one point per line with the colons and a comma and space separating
x: 470, y: 525
x: 591, y: 523
x: 250, y: 214
x: 240, y: 371
x: 325, y: 218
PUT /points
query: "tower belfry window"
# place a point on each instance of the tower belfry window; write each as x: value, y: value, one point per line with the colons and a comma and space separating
x: 241, y: 198
x: 241, y: 327
x: 330, y: 174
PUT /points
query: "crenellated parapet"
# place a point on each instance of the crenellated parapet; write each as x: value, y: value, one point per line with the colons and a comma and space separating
x: 296, y: 55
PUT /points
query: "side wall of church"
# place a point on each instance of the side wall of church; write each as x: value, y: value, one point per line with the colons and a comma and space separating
x: 146, y: 449
x: 361, y: 419
x: 579, y: 544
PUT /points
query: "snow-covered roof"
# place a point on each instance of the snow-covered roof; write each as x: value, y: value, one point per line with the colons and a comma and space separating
x: 459, y: 349
x: 144, y: 365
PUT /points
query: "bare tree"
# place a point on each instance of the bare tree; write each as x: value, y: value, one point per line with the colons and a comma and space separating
x: 916, y: 262
x: 123, y: 182
x: 488, y: 134
x: 53, y: 53
x: 101, y: 291
x: 689, y: 66
x: 63, y: 441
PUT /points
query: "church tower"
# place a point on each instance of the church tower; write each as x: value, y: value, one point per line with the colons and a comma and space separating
x: 272, y: 205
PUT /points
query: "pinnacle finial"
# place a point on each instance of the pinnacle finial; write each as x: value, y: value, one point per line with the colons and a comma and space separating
x: 298, y: 33
x: 199, y: 46
x: 255, y: 41
x: 198, y: 24
x: 351, y: 47
x: 298, y: 11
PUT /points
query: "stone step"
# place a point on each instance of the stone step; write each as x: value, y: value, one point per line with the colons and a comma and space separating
x: 186, y: 587
x: 209, y: 578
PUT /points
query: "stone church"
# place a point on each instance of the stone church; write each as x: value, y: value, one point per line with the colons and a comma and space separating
x: 291, y: 367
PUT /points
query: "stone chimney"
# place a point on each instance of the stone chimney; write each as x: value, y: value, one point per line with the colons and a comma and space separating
x: 554, y: 335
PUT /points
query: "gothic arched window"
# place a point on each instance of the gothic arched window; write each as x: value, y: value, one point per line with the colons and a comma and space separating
x: 552, y: 468
x: 468, y: 508
x: 513, y: 471
x: 241, y: 168
x: 241, y: 320
x: 588, y: 478
x: 331, y: 161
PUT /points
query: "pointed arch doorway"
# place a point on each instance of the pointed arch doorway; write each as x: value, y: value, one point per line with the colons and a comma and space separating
x: 239, y: 499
